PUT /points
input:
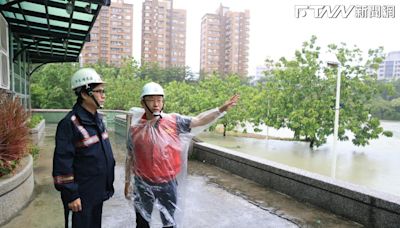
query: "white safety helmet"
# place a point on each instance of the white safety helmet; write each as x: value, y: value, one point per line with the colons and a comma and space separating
x: 85, y: 76
x: 152, y: 88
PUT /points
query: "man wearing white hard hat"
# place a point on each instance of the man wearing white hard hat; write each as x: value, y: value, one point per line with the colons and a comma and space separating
x: 156, y: 162
x: 83, y: 162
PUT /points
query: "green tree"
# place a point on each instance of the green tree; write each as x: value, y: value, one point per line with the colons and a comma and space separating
x: 381, y: 108
x: 395, y: 104
x: 123, y: 93
x: 154, y: 72
x: 194, y: 98
x: 214, y: 91
x: 51, y: 87
x: 301, y: 95
x: 129, y: 68
x: 181, y: 97
x: 385, y: 104
x: 105, y: 70
x: 123, y: 85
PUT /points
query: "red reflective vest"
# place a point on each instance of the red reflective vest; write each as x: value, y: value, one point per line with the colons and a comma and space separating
x: 156, y: 149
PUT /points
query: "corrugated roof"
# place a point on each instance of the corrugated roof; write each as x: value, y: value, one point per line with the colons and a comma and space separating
x: 51, y: 30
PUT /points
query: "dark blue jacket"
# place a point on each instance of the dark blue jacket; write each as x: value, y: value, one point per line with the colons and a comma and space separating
x: 83, y: 162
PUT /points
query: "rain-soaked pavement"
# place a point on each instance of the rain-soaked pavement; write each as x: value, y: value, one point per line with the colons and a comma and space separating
x: 215, y: 198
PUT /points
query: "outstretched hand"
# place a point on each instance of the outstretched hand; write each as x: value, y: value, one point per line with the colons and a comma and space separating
x: 229, y: 103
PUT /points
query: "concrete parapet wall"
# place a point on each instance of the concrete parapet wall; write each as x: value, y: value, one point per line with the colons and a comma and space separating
x: 55, y: 115
x: 16, y: 190
x: 37, y: 134
x: 120, y: 123
x: 358, y: 203
x: 52, y: 115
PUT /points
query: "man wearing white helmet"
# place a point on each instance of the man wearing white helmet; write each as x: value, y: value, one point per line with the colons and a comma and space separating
x: 157, y: 153
x: 83, y: 162
x: 153, y: 90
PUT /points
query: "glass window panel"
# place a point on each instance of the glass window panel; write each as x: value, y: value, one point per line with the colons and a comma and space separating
x: 32, y: 7
x: 3, y: 35
x: 73, y: 46
x: 8, y: 14
x: 59, y: 23
x: 84, y: 4
x: 80, y: 27
x: 24, y: 102
x: 16, y: 69
x: 17, y: 82
x: 23, y: 82
x: 58, y: 11
x: 4, y: 70
x: 36, y: 19
x: 1, y: 72
x: 19, y: 16
x: 83, y: 16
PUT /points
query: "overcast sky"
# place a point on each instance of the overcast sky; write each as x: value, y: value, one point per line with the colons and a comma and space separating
x: 275, y: 31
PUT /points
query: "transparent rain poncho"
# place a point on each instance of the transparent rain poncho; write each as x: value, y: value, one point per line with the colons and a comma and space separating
x: 157, y: 164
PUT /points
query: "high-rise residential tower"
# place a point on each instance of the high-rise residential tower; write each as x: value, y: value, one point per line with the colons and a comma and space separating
x: 163, y: 34
x: 111, y: 36
x: 224, y: 46
x: 389, y: 69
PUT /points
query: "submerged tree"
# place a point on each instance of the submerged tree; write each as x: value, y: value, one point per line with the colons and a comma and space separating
x: 301, y: 95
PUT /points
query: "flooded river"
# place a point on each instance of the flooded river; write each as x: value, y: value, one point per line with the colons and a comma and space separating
x: 374, y: 166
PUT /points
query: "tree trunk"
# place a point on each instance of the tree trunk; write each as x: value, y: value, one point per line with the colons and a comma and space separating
x: 224, y: 130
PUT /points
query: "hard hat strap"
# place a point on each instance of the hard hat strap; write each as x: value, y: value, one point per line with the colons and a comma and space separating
x: 154, y: 113
x: 90, y: 93
x: 97, y: 103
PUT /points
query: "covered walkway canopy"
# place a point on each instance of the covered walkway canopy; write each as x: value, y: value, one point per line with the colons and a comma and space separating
x: 50, y: 30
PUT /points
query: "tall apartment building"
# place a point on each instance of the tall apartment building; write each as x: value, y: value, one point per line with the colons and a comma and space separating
x: 224, y: 44
x: 390, y: 68
x: 163, y: 34
x: 111, y: 36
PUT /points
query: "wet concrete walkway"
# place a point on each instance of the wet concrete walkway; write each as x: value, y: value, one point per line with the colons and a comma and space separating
x: 215, y: 198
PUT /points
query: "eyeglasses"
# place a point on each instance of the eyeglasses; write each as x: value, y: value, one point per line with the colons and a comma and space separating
x: 154, y: 100
x: 101, y: 91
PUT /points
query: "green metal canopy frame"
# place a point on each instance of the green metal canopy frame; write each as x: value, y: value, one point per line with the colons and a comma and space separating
x: 51, y: 30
